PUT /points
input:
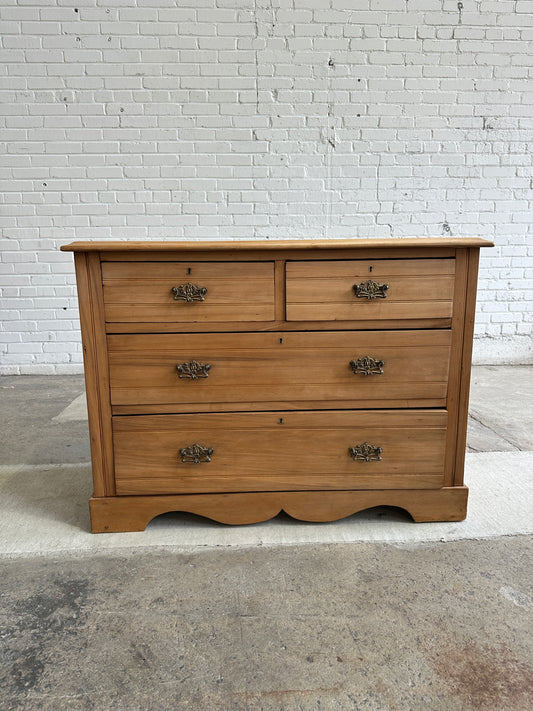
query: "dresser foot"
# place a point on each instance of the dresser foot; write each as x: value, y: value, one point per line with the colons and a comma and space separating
x: 133, y: 513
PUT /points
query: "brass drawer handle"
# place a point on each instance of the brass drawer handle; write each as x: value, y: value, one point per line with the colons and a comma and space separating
x: 189, y: 292
x: 370, y: 290
x: 367, y: 366
x: 366, y: 452
x: 193, y: 370
x: 196, y: 454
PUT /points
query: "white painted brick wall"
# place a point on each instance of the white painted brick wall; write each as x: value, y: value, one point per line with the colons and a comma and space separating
x: 239, y: 119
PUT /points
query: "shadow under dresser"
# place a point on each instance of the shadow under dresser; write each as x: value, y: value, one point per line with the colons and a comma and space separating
x: 238, y: 379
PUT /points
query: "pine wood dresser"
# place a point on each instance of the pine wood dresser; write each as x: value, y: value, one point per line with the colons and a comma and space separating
x: 237, y: 379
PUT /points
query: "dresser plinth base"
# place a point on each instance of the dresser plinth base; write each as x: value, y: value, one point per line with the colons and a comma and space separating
x: 133, y: 513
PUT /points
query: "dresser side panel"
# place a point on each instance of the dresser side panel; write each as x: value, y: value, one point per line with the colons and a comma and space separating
x: 466, y: 363
x: 89, y: 285
x: 454, y: 380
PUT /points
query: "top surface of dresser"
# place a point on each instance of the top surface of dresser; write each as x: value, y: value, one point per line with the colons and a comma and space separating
x: 273, y: 245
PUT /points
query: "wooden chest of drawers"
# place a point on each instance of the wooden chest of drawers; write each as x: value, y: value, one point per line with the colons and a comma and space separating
x: 237, y: 379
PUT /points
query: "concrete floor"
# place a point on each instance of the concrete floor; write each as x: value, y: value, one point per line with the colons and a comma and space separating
x: 361, y: 626
x: 365, y: 626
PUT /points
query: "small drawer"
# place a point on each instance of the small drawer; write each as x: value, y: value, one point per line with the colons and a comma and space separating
x: 326, y: 370
x: 368, y: 290
x: 279, y: 451
x: 188, y: 292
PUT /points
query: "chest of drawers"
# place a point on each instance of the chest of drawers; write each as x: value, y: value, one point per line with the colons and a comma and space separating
x: 238, y: 379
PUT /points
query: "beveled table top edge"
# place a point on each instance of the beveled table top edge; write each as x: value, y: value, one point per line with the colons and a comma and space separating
x: 275, y: 244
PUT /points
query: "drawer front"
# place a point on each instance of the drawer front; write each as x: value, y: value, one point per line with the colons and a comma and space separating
x: 368, y: 290
x: 372, y: 368
x: 167, y: 454
x: 188, y: 292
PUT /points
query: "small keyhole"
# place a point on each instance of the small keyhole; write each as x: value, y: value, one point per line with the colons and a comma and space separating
x: 281, y: 420
x: 370, y: 268
x: 189, y: 270
x: 281, y: 340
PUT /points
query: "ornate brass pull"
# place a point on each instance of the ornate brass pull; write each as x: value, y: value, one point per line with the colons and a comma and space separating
x: 193, y: 370
x: 367, y: 366
x: 366, y: 452
x: 370, y: 290
x: 196, y: 454
x: 189, y: 292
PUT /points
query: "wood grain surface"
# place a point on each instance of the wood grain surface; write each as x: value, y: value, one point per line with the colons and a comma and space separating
x: 279, y: 451
x: 236, y: 291
x: 417, y: 288
x: 272, y: 368
x: 277, y: 325
x: 89, y: 283
x: 267, y: 245
x: 133, y: 513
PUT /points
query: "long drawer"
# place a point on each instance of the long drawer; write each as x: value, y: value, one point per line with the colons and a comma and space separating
x: 188, y: 292
x: 362, y: 369
x: 366, y: 290
x: 165, y: 454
